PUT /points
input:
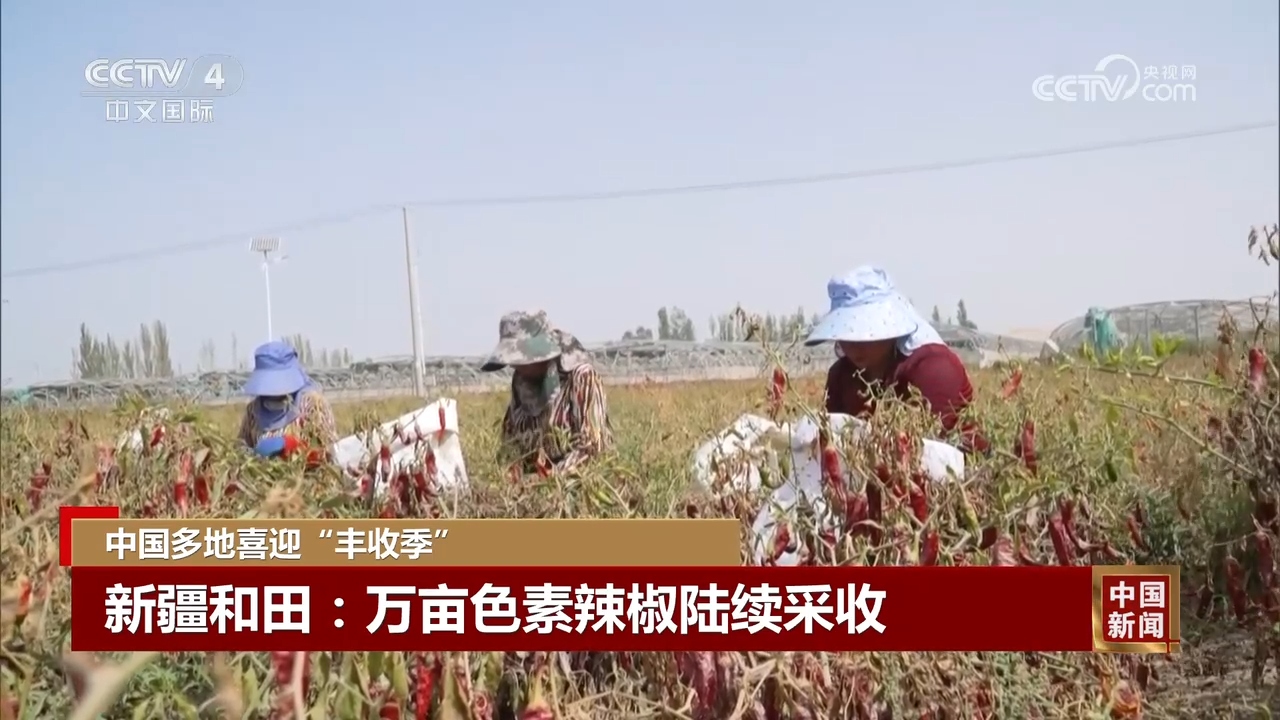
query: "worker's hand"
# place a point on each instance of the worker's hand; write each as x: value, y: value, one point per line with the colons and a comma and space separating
x: 280, y: 446
x: 270, y: 447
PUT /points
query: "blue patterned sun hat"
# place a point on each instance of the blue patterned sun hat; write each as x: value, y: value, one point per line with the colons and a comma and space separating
x: 865, y: 307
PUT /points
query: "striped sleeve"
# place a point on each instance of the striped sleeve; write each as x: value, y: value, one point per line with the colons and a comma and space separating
x: 592, y: 434
x: 248, y: 427
x: 317, y: 421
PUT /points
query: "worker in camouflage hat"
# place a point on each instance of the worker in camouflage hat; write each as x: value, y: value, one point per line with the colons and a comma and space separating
x: 557, y: 418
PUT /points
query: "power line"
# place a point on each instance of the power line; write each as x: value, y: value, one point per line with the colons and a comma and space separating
x: 841, y: 176
x: 193, y: 246
x: 492, y: 201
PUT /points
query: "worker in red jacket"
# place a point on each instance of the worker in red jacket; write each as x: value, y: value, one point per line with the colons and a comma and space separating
x: 881, y: 341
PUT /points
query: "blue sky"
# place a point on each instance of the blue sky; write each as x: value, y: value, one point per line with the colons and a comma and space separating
x: 351, y: 105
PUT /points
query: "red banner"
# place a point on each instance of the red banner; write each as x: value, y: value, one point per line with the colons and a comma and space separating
x: 641, y: 609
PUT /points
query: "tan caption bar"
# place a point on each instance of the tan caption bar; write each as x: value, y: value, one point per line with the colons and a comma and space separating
x: 494, y: 542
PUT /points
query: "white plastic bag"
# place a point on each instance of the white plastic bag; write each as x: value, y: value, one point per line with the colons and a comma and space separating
x: 753, y: 443
x: 353, y: 453
x: 738, y: 454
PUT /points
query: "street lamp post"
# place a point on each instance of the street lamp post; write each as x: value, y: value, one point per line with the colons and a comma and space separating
x: 267, y: 246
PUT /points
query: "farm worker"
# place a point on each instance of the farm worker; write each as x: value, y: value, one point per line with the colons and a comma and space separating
x: 288, y: 413
x: 557, y: 418
x: 881, y: 341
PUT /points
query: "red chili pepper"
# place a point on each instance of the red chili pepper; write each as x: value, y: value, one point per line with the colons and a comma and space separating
x: 180, y: 484
x: 698, y: 669
x: 1139, y: 514
x: 202, y: 490
x: 440, y: 432
x: 1067, y: 509
x: 420, y: 488
x: 989, y: 537
x: 282, y: 666
x: 897, y: 489
x: 831, y: 468
x: 402, y: 489
x: 429, y: 464
x: 424, y: 686
x: 157, y: 435
x: 781, y: 541
x: 106, y: 467
x: 1025, y: 446
x: 1135, y: 532
x: 1062, y: 546
x: 1011, y: 385
x: 1266, y: 558
x: 855, y: 513
x: 1107, y: 551
x: 384, y: 460
x: 1002, y: 552
x: 1235, y: 588
x: 1257, y: 370
x: 24, y: 598
x: 390, y: 709
x: 929, y: 549
x: 919, y: 502
x: 777, y: 391
x: 513, y: 473
x: 36, y: 486
x: 543, y: 466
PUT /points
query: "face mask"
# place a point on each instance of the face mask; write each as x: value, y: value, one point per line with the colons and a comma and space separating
x: 274, y: 404
x: 550, y: 382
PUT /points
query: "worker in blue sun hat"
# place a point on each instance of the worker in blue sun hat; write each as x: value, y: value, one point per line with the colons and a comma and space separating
x: 288, y: 411
x: 883, y: 342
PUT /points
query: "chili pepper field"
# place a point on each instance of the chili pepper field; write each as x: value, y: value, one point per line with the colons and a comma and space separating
x: 1158, y: 465
x: 1154, y: 456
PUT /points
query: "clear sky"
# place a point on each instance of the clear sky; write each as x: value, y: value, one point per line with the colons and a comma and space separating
x: 352, y: 105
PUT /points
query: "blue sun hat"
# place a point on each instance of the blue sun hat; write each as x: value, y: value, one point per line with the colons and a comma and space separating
x: 276, y: 371
x: 866, y: 307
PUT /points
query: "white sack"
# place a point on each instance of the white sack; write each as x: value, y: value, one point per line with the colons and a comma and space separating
x: 753, y: 442
x: 740, y: 452
x: 136, y: 440
x: 354, y: 452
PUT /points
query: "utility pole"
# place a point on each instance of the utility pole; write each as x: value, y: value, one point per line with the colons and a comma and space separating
x: 415, y: 311
x: 266, y: 246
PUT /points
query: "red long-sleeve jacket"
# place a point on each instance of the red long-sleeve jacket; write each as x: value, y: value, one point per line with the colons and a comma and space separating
x: 935, y: 370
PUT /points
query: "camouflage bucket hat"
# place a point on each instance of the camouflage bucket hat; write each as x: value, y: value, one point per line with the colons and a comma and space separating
x: 528, y: 338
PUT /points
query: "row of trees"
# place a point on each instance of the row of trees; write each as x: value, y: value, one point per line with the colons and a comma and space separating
x: 674, y: 324
x: 147, y: 355
x: 961, y: 317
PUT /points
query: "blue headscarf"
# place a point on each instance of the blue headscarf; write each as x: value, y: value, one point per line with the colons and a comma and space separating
x: 277, y: 373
